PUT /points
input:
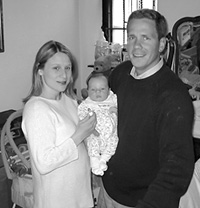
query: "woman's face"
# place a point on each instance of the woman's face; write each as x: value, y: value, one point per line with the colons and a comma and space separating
x: 143, y: 46
x: 56, y: 75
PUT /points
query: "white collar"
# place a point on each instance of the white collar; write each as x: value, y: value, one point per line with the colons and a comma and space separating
x: 147, y: 73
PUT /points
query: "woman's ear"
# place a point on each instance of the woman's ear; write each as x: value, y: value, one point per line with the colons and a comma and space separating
x: 40, y: 72
x: 162, y: 44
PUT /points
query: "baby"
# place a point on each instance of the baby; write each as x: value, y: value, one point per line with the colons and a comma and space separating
x: 103, y: 102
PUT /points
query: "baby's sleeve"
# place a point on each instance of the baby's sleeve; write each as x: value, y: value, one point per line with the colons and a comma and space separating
x: 82, y: 110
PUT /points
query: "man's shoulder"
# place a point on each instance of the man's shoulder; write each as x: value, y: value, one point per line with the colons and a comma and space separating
x: 124, y: 66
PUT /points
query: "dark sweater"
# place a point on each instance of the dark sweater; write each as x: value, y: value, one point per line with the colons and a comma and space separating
x: 154, y: 160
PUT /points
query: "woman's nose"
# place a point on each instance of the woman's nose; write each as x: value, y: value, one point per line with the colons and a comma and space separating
x: 63, y: 73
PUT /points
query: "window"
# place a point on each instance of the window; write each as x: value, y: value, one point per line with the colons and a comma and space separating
x: 115, y: 16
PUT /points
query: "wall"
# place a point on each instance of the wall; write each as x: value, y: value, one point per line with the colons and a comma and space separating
x: 176, y: 9
x: 29, y: 24
x: 89, y: 28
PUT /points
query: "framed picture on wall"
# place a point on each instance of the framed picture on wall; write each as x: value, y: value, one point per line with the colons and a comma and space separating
x: 1, y: 28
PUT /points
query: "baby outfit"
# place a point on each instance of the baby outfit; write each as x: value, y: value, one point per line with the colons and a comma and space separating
x: 102, y: 147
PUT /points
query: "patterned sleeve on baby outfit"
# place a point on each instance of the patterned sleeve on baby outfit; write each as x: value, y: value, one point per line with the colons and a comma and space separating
x: 82, y: 110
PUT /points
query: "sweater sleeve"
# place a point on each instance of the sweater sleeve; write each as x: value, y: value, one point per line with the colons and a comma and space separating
x: 121, y: 70
x: 176, y: 156
x: 40, y: 131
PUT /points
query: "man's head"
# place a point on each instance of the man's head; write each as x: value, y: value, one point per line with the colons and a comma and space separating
x: 160, y: 21
x: 147, y: 30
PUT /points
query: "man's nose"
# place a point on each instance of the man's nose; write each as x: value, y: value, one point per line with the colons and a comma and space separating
x: 138, y: 43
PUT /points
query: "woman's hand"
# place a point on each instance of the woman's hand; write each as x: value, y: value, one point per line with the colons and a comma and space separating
x: 113, y: 110
x: 85, y: 128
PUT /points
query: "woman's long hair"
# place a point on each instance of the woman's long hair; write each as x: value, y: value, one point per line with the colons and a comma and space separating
x: 43, y: 55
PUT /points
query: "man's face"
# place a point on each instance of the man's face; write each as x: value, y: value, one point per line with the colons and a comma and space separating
x: 143, y: 45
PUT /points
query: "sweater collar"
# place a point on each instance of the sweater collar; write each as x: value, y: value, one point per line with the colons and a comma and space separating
x: 149, y: 72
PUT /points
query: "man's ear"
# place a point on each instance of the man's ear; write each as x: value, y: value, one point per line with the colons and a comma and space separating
x: 162, y: 44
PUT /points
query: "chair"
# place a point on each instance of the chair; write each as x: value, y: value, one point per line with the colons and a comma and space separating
x: 16, y: 161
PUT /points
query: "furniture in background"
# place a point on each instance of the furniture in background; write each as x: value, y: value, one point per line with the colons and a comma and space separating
x: 184, y: 59
x: 5, y: 183
x: 15, y: 157
x: 186, y: 34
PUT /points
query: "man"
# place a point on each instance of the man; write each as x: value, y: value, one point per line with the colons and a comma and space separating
x: 154, y: 160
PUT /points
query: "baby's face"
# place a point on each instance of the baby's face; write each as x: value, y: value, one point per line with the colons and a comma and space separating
x: 98, y: 89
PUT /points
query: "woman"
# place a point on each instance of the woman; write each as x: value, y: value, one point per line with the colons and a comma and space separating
x: 59, y: 160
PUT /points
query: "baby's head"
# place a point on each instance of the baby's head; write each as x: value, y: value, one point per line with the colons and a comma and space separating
x: 97, y: 86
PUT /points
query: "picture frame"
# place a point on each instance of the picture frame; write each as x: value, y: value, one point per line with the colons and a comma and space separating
x: 1, y: 28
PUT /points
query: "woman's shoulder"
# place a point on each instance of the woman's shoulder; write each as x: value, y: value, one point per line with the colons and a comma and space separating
x: 36, y: 104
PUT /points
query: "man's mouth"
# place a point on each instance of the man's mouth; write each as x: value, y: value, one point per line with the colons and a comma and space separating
x: 138, y: 55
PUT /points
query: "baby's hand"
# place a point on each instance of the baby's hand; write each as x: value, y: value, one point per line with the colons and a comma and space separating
x: 90, y: 112
x: 113, y: 110
x: 96, y: 133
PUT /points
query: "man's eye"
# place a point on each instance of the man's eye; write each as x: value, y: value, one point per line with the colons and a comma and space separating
x: 146, y: 38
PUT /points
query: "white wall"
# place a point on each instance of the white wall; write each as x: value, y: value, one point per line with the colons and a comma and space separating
x: 30, y: 23
x: 27, y: 25
x: 89, y: 26
x: 176, y: 9
x: 75, y: 23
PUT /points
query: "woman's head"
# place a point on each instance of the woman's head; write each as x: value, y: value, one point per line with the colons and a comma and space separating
x: 46, y: 53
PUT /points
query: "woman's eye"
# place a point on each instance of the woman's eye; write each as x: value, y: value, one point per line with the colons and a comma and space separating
x: 131, y: 37
x: 68, y: 68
